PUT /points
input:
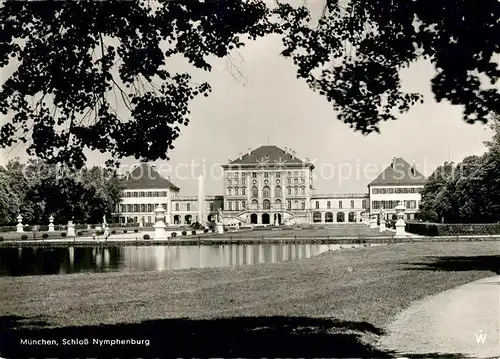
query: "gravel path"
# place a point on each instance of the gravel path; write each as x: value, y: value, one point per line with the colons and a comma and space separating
x: 464, y: 320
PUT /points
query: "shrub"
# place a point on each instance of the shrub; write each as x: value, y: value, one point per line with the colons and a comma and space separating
x: 173, y: 234
x: 113, y: 232
x: 24, y: 237
x: 225, y: 229
x: 205, y: 230
x: 184, y: 233
x: 146, y: 236
x: 79, y: 234
x: 100, y: 233
x: 193, y: 232
x: 459, y: 229
x: 45, y: 235
x: 136, y: 230
x: 63, y: 234
x: 124, y: 231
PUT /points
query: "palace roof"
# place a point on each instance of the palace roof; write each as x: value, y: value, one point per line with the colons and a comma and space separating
x: 399, y: 172
x: 145, y: 176
x: 268, y: 156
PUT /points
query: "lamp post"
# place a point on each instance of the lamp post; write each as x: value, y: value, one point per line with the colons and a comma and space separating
x: 400, y: 223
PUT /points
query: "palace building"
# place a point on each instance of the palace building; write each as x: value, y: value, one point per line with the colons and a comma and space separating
x: 268, y: 186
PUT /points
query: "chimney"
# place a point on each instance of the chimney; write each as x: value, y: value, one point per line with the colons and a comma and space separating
x: 307, y: 160
x: 286, y: 149
x: 249, y: 151
x: 413, y: 168
x: 241, y: 155
x: 293, y: 154
x: 393, y: 162
x: 169, y: 177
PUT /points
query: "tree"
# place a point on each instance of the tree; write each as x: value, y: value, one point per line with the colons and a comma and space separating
x: 9, y: 201
x: 74, y: 56
x: 468, y: 192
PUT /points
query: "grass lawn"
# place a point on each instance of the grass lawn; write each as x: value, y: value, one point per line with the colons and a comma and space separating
x: 332, y: 305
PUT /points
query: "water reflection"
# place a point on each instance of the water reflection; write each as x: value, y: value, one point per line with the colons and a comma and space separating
x: 38, y: 261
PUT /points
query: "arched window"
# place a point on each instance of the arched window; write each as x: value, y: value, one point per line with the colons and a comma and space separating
x: 266, y: 192
x: 277, y: 204
x: 255, y: 192
x: 296, y: 191
x: 236, y: 192
x: 289, y: 191
x: 277, y: 192
x: 243, y: 191
x: 267, y: 204
x: 302, y: 190
x: 229, y: 191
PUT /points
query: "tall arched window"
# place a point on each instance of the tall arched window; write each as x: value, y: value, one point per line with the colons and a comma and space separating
x: 277, y: 192
x: 236, y: 191
x: 296, y: 190
x: 267, y: 204
x: 229, y: 191
x: 289, y: 191
x: 255, y: 192
x: 266, y: 192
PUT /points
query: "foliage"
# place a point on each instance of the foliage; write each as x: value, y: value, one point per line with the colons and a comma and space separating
x: 74, y: 61
x: 468, y: 192
x: 45, y: 235
x: 184, y: 233
x: 146, y: 236
x: 173, y: 234
x: 37, y: 190
x: 439, y: 229
x: 24, y: 237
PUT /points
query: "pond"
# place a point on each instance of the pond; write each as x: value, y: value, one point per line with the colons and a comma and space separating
x: 42, y: 261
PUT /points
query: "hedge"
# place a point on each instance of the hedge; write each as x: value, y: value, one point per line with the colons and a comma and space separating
x: 455, y: 229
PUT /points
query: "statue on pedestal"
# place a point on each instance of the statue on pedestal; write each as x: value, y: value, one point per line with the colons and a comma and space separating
x: 219, y: 216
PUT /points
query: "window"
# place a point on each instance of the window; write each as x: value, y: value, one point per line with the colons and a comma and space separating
x: 303, y: 205
x: 229, y: 191
x: 254, y: 174
x: 340, y: 204
x: 278, y: 174
x: 236, y: 175
x: 302, y: 180
x: 289, y: 180
x: 266, y: 175
x: 135, y: 194
x: 289, y: 204
x: 237, y: 205
x: 352, y: 204
x: 383, y: 191
x: 255, y: 192
x: 296, y: 191
x: 328, y: 205
x: 150, y: 208
x: 236, y: 191
x: 188, y: 206
x: 243, y: 191
x: 390, y: 190
x: 230, y: 206
x: 376, y: 204
x: 375, y: 191
x: 177, y: 206
x: 211, y: 206
x: 266, y: 192
x: 295, y: 173
x: 243, y: 204
x: 303, y: 190
x: 295, y: 180
x: 296, y: 204
x: 136, y: 208
x: 289, y: 191
x: 277, y: 192
x: 364, y: 204
x: 317, y: 204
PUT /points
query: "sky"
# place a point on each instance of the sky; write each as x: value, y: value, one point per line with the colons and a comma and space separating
x: 271, y: 106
